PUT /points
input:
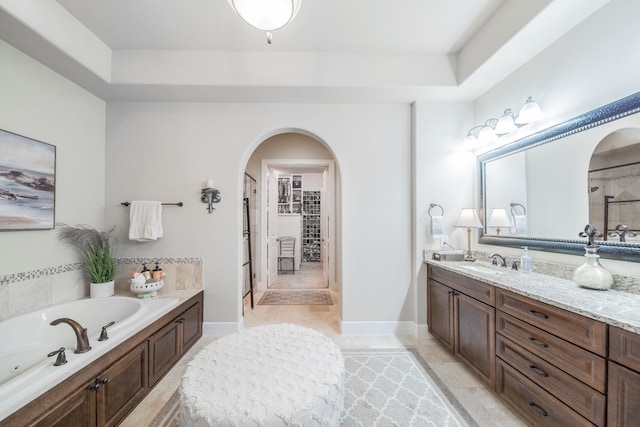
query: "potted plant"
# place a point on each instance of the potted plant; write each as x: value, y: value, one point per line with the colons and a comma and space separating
x: 95, y: 249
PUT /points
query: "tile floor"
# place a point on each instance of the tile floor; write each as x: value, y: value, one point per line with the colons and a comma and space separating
x: 482, y: 403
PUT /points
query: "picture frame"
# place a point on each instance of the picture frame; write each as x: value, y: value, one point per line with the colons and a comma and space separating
x: 27, y: 183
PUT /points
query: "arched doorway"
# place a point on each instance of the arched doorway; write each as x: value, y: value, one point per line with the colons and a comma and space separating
x: 306, y: 158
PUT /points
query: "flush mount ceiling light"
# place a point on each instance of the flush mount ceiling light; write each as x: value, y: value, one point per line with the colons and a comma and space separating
x: 266, y: 15
x: 492, y: 128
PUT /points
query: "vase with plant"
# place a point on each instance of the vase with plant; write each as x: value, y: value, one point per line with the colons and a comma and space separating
x: 95, y: 249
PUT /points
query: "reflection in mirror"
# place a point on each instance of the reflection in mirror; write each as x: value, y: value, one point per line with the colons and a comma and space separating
x: 546, y: 183
x: 614, y: 186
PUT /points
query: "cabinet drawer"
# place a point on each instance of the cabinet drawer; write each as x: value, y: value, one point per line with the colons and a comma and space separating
x: 624, y: 347
x: 585, y: 366
x: 474, y: 288
x: 587, y: 333
x: 534, y: 404
x: 582, y: 398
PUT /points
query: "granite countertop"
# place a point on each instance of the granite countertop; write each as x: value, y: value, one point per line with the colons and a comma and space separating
x: 616, y: 308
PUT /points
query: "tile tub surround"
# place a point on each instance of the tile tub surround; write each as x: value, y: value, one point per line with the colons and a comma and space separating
x: 25, y: 292
x: 616, y: 308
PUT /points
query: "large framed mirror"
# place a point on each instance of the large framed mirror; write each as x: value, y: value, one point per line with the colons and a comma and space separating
x: 542, y: 190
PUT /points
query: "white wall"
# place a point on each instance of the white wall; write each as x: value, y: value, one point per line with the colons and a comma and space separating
x: 591, y: 66
x: 40, y: 104
x: 164, y: 151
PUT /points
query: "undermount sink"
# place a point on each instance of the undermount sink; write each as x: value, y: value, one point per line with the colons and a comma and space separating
x: 482, y: 269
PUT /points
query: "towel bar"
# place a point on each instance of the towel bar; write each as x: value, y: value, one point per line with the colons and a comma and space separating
x: 163, y: 204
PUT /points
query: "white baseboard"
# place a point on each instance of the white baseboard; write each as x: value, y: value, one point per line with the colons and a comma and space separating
x: 218, y: 329
x: 379, y: 328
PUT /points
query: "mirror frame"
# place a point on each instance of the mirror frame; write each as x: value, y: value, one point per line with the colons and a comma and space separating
x: 613, y: 250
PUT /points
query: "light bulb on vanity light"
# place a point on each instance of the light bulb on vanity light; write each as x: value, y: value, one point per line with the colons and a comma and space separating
x: 529, y: 113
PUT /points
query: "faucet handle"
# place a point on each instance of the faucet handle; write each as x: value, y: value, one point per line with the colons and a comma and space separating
x: 514, y: 265
x: 103, y: 334
x: 62, y: 357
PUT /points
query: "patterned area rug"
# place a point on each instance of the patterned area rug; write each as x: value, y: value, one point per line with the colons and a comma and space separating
x: 389, y: 387
x: 296, y: 297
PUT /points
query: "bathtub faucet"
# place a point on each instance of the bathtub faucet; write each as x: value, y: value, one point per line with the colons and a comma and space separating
x: 82, y: 340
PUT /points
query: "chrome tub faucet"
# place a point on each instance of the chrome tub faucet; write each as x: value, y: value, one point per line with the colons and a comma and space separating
x: 82, y: 340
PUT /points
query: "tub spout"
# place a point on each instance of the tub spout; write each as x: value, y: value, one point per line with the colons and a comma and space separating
x: 82, y: 340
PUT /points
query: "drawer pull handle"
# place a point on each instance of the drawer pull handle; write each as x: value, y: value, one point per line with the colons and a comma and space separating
x: 538, y: 314
x: 538, y: 410
x: 536, y: 342
x: 538, y: 371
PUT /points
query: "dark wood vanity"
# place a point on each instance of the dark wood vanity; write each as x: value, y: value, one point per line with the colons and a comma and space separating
x: 104, y: 392
x: 553, y: 366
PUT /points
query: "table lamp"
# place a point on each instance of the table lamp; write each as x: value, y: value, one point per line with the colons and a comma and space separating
x: 498, y: 218
x: 468, y: 219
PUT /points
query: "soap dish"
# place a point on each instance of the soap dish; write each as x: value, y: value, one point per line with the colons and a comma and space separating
x: 146, y: 289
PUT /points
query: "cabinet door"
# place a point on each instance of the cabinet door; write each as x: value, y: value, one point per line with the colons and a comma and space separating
x: 623, y: 397
x: 439, y: 312
x: 126, y: 384
x: 191, y: 326
x: 164, y: 350
x: 475, y: 335
x: 79, y: 409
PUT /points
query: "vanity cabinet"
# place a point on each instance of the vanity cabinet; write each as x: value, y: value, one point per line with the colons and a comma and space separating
x: 550, y: 362
x: 104, y: 392
x: 624, y: 378
x: 461, y: 314
x: 169, y: 344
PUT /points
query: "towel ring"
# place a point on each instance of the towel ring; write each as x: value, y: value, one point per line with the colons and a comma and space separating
x: 434, y: 205
x: 514, y: 206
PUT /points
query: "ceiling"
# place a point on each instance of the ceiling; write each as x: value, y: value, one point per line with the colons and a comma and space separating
x: 333, y: 51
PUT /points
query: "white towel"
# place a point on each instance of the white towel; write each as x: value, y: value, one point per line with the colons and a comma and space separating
x: 145, y: 221
x: 437, y: 226
x: 520, y: 225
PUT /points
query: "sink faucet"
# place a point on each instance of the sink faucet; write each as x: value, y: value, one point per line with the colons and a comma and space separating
x: 82, y: 340
x: 495, y: 257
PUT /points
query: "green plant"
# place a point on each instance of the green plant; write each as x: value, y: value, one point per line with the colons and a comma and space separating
x: 95, y: 249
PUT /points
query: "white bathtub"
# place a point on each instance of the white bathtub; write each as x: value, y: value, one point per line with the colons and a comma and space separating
x: 26, y: 371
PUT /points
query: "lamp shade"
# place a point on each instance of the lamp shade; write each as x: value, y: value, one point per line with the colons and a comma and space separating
x: 468, y: 219
x: 499, y: 218
x: 530, y: 112
x: 266, y: 15
x: 505, y: 124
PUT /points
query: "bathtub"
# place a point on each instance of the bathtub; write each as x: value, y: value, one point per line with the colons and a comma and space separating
x: 26, y: 371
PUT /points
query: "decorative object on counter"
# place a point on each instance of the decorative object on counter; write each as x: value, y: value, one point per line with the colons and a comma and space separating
x: 157, y: 273
x: 468, y: 219
x: 95, y: 250
x: 144, y: 287
x: 145, y: 220
x: 621, y: 231
x: 437, y: 221
x: 591, y: 274
x: 498, y: 219
x: 210, y: 195
x: 449, y: 255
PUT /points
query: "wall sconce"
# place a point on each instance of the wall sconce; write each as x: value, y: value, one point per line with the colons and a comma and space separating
x: 210, y: 195
x: 493, y: 128
x: 468, y: 219
x: 498, y: 219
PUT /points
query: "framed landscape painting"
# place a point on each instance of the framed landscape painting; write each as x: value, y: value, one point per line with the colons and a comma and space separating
x: 27, y: 183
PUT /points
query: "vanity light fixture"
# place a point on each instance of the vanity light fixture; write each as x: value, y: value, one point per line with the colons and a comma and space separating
x: 506, y: 123
x: 468, y: 219
x: 266, y: 15
x: 492, y: 128
x: 498, y: 219
x: 529, y: 113
x: 210, y: 195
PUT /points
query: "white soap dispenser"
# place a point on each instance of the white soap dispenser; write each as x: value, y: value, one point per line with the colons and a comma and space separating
x: 525, y: 260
